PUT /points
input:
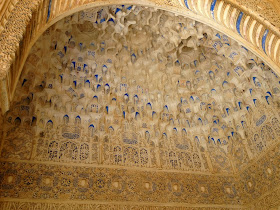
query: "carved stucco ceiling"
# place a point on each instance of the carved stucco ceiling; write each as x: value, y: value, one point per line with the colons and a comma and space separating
x: 146, y: 78
x: 139, y: 87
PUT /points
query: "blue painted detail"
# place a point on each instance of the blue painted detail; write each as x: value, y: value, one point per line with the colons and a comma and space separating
x: 245, y: 49
x: 269, y: 93
x: 251, y: 90
x: 117, y: 10
x: 264, y: 39
x: 266, y: 97
x: 213, y: 4
x: 238, y: 22
x: 238, y: 70
x: 65, y: 49
x: 61, y: 77
x: 102, y: 20
x: 186, y: 3
x: 239, y: 104
x: 192, y: 98
x: 227, y: 109
x: 107, y: 109
x: 254, y: 100
x: 217, y: 44
x: 129, y: 8
x: 74, y: 63
x: 274, y: 74
x: 49, y: 10
x: 253, y: 60
x: 23, y: 82
x: 124, y: 114
x: 111, y: 19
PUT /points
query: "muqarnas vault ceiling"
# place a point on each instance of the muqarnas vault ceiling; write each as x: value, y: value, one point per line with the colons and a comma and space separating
x: 137, y: 104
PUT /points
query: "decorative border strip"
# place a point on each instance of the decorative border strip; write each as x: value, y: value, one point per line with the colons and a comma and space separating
x: 31, y: 205
x: 152, y: 170
x: 39, y: 182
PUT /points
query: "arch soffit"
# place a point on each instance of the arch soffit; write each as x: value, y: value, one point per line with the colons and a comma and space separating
x: 36, y: 16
